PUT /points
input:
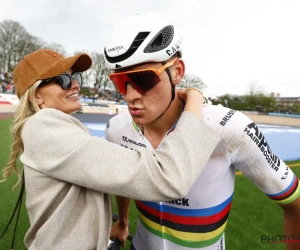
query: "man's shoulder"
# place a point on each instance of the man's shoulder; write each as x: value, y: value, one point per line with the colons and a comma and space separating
x: 122, y: 118
x: 224, y: 120
x: 216, y: 109
x: 213, y: 114
x: 118, y: 122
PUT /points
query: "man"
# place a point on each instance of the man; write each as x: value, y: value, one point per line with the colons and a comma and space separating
x: 144, y: 52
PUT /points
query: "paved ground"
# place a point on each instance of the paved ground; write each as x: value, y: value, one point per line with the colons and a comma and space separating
x: 85, y: 117
x: 89, y: 106
x: 93, y: 118
x: 6, y: 111
x: 90, y: 114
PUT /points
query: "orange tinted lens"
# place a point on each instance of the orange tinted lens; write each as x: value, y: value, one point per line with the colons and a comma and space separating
x: 120, y: 82
x: 142, y: 81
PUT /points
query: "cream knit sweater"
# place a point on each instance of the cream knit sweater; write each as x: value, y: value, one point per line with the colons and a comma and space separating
x: 69, y: 175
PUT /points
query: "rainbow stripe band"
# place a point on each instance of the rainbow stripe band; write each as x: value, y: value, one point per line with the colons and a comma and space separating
x: 291, y: 193
x: 193, y: 228
x: 198, y: 241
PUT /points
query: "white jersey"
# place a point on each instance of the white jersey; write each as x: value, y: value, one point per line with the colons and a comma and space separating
x: 198, y: 220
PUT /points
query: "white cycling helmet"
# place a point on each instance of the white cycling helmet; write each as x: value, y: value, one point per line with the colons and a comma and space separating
x: 147, y: 37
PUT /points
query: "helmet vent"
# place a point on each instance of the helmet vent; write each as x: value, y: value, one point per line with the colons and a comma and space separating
x: 138, y: 40
x: 161, y: 41
x: 158, y: 41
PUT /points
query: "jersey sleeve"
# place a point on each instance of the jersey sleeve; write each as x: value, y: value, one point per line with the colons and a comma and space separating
x: 253, y: 156
x: 115, y: 125
x: 109, y: 134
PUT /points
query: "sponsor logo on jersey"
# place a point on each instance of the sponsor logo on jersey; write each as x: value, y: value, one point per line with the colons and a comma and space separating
x: 180, y: 202
x: 133, y: 142
x: 257, y: 137
x: 175, y: 47
x: 227, y: 117
x: 221, y: 246
x: 125, y: 146
x: 287, y: 170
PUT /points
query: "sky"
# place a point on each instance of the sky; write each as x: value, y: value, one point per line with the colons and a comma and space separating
x: 229, y: 44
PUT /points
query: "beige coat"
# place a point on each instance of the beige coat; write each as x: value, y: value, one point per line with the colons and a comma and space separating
x: 69, y: 174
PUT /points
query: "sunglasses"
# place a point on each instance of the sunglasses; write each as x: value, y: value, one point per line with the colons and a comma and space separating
x: 142, y: 80
x: 65, y: 80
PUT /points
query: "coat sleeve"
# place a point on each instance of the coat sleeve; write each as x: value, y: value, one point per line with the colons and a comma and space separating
x: 62, y: 149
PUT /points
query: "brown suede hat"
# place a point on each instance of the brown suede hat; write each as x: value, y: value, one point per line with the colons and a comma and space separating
x: 43, y: 64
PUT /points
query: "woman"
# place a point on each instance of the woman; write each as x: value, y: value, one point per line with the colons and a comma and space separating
x: 69, y: 174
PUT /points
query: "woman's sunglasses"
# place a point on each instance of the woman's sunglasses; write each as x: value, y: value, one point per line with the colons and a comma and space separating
x: 65, y: 80
x: 142, y: 80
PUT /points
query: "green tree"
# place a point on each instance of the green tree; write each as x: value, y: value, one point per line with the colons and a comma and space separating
x: 192, y: 80
x: 99, y: 71
x: 88, y: 74
x: 56, y: 47
x: 15, y: 43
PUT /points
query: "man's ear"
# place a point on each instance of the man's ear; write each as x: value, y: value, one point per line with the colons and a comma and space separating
x: 39, y: 99
x: 179, y: 70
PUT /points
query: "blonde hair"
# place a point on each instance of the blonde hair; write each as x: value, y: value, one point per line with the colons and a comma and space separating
x: 27, y: 107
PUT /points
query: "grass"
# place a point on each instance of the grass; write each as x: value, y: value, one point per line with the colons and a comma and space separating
x: 9, y: 197
x: 252, y: 215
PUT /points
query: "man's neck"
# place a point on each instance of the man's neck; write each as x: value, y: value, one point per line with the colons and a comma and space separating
x: 157, y: 130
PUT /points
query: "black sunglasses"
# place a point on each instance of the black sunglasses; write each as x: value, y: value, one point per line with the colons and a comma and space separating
x: 65, y: 80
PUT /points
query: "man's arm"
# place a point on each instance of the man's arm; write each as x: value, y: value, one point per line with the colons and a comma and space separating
x: 255, y: 159
x: 120, y: 229
x: 291, y: 214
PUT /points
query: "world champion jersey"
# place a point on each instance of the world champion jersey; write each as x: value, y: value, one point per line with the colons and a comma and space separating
x: 198, y: 220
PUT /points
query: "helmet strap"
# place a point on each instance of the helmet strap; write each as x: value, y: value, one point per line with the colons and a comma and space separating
x: 172, y: 89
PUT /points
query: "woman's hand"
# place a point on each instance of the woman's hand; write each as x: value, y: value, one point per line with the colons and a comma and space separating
x: 193, y: 99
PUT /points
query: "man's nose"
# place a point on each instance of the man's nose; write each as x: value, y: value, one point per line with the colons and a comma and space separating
x: 131, y: 92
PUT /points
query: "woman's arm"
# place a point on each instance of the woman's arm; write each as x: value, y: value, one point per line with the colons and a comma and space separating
x: 61, y: 149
